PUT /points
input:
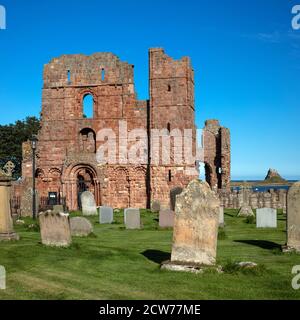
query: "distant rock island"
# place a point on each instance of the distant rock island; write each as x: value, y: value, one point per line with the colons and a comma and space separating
x: 274, y: 177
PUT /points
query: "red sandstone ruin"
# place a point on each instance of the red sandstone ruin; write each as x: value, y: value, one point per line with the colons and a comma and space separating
x: 66, y: 157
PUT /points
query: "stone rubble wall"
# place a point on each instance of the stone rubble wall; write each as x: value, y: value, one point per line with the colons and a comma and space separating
x: 276, y: 199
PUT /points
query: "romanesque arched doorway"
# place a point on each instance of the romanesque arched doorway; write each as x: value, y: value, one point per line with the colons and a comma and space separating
x: 85, y: 182
x: 78, y: 179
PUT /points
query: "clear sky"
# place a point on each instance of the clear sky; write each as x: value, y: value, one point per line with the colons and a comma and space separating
x: 245, y: 54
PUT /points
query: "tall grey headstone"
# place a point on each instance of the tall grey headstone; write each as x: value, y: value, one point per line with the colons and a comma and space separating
x: 266, y: 218
x: 88, y: 204
x: 132, y: 218
x: 293, y: 217
x: 106, y: 215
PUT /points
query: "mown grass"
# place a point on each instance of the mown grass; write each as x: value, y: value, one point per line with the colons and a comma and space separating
x: 115, y: 263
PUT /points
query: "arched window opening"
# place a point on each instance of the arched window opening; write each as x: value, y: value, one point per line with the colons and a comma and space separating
x: 102, y: 74
x: 169, y: 127
x: 169, y: 88
x: 69, y: 77
x: 88, y: 106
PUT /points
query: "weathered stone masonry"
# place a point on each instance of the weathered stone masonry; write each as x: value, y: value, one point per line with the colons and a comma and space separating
x: 66, y: 161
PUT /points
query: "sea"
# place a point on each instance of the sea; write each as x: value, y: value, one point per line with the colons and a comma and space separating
x: 260, y: 188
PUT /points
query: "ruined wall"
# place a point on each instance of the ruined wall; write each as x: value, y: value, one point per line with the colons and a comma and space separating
x: 217, y: 155
x: 67, y: 140
x: 172, y: 109
x: 66, y: 155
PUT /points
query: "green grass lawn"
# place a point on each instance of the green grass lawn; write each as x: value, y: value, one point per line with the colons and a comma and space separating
x: 115, y: 263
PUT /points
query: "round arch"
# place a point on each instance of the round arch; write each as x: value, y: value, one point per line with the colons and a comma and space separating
x: 77, y: 179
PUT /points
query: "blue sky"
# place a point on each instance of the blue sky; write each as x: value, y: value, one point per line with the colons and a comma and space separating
x: 245, y: 54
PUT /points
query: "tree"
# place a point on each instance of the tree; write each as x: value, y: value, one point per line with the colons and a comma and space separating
x: 11, y: 138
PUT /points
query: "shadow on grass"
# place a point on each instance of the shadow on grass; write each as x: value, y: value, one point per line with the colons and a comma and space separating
x: 232, y: 215
x: 156, y: 256
x: 268, y: 245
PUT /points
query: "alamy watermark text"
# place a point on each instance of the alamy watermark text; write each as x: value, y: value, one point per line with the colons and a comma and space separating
x: 296, y: 18
x: 2, y: 18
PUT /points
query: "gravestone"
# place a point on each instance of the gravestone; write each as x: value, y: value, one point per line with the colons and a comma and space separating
x: 195, y: 235
x: 246, y: 211
x: 88, y: 204
x: 155, y: 206
x: 293, y: 218
x: 166, y: 218
x: 80, y: 227
x: 132, y: 218
x: 2, y: 278
x: 266, y: 218
x: 173, y: 194
x: 221, y: 218
x: 106, y: 215
x: 55, y: 229
x: 58, y: 208
x: 6, y: 222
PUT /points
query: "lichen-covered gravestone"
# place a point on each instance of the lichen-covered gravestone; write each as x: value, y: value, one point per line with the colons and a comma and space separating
x: 132, y: 218
x: 196, y: 226
x: 106, y: 215
x: 266, y: 218
x: 293, y: 218
x: 55, y: 229
x: 166, y: 218
x: 88, y: 204
x: 80, y: 227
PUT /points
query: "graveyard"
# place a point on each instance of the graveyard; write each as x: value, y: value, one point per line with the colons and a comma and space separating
x: 135, y: 142
x: 115, y: 263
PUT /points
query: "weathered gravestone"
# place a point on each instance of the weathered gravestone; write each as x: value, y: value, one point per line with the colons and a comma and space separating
x: 55, y: 229
x: 266, y: 218
x: 132, y: 218
x: 80, y: 227
x: 166, y: 218
x: 106, y: 215
x: 196, y: 228
x: 221, y: 218
x: 88, y: 204
x: 293, y: 218
x: 173, y: 194
x: 6, y: 222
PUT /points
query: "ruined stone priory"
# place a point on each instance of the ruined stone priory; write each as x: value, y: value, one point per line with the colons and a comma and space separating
x: 68, y: 139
